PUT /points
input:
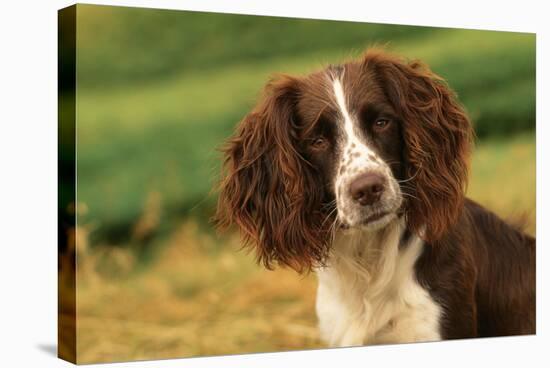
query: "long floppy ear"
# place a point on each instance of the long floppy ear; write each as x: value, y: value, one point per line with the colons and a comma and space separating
x: 438, y: 138
x: 268, y: 189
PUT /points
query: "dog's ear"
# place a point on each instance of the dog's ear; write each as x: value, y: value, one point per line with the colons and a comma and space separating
x: 438, y: 138
x: 268, y: 189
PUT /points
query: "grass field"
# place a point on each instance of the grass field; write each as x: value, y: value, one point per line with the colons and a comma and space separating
x: 202, y: 296
x: 157, y: 94
x: 161, y: 136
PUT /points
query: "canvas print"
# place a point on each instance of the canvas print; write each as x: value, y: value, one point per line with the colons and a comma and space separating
x: 238, y: 184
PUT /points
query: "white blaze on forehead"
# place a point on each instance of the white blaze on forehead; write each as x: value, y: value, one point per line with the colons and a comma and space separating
x: 352, y: 138
x: 341, y: 101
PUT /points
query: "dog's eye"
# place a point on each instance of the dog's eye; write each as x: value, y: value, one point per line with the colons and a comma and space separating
x: 319, y: 143
x: 381, y: 124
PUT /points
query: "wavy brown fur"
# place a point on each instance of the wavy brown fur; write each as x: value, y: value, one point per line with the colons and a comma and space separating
x: 438, y: 138
x: 268, y: 190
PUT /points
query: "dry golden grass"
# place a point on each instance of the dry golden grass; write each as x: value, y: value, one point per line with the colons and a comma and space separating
x: 194, y: 300
x: 504, y: 179
x: 200, y: 298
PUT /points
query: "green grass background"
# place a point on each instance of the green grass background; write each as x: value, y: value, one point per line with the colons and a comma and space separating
x: 159, y: 91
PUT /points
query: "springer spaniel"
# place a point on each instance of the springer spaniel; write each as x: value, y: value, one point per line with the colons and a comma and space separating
x: 358, y: 172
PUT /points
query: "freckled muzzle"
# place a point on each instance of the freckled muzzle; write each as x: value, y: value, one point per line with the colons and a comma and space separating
x: 368, y: 198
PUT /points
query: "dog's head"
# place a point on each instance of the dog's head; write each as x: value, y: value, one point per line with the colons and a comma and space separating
x: 352, y: 146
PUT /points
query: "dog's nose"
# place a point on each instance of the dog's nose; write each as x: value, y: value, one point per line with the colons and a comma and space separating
x: 367, y: 188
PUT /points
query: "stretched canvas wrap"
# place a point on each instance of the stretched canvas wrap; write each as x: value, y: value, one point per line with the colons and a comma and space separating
x: 212, y: 197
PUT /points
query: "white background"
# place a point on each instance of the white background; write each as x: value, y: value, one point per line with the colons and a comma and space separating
x: 28, y: 181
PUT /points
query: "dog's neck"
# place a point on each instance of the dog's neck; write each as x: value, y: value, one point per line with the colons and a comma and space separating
x: 374, y: 258
x: 368, y: 293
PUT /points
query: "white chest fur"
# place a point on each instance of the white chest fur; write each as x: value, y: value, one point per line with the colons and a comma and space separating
x: 368, y: 293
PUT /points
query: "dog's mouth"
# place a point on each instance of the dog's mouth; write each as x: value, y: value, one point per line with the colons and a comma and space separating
x: 371, y: 217
x: 375, y: 217
x: 371, y: 220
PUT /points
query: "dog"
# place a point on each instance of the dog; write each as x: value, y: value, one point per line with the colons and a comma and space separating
x: 358, y: 172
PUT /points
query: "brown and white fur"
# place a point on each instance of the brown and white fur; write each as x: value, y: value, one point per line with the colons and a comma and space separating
x: 358, y: 172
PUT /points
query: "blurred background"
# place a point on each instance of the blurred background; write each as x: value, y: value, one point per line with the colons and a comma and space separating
x: 158, y: 91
